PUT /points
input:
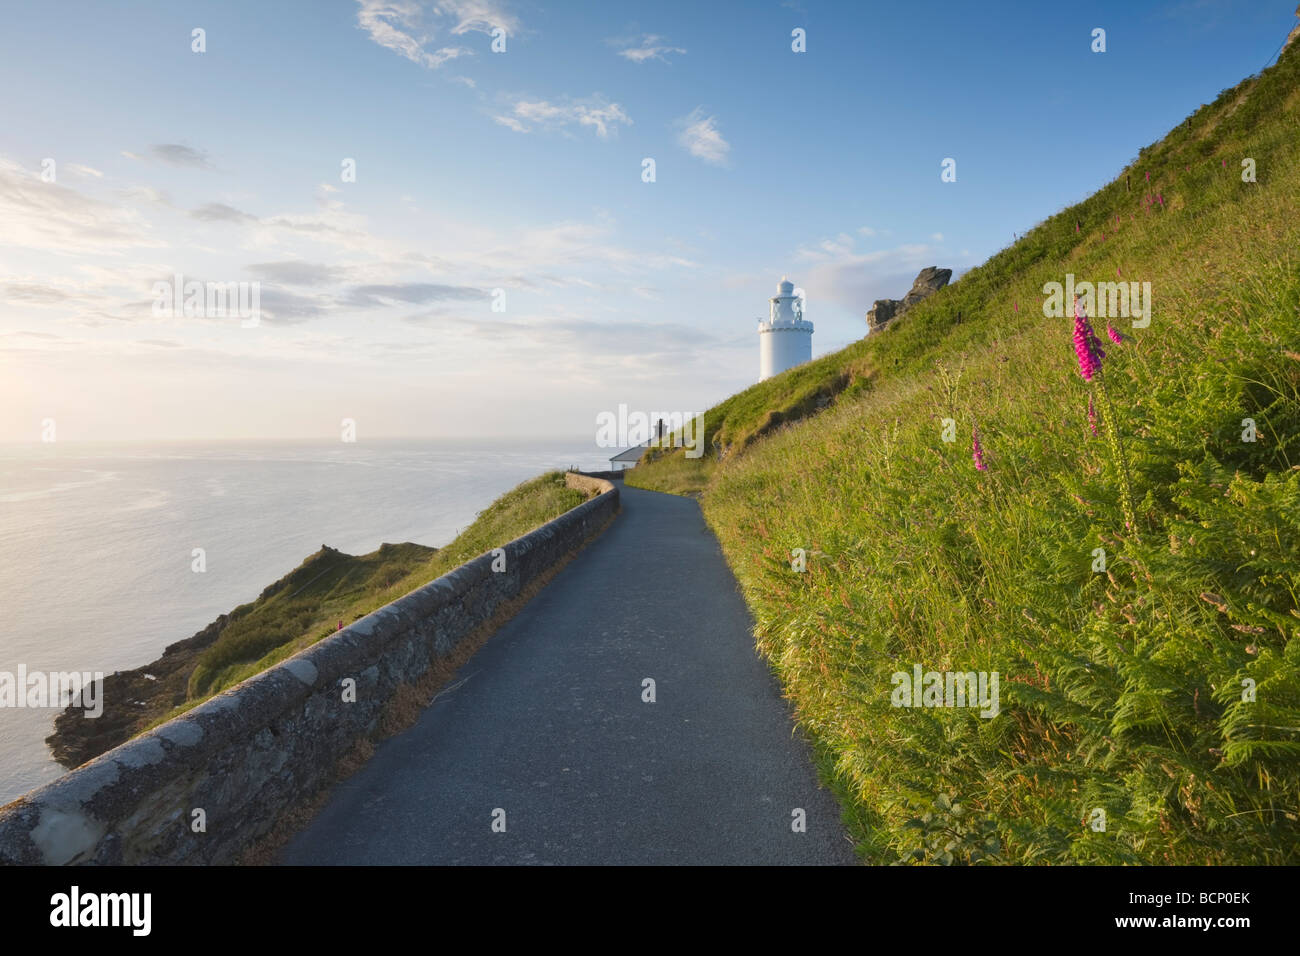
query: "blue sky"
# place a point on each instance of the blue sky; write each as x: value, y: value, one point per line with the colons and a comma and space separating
x: 521, y: 171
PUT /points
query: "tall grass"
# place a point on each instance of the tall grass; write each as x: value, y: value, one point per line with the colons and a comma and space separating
x: 1159, y: 696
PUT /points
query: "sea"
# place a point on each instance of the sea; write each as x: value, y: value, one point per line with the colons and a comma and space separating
x: 98, y: 541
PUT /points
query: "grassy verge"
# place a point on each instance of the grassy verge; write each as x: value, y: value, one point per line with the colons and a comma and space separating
x: 1150, y: 679
x: 332, y: 587
x: 305, y: 606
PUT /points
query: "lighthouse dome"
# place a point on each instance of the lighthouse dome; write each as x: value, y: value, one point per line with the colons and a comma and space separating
x: 785, y: 287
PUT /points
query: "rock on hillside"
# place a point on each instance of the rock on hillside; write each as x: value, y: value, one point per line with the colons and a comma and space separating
x: 928, y: 281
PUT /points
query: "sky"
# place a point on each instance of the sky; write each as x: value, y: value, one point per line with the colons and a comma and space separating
x: 498, y: 264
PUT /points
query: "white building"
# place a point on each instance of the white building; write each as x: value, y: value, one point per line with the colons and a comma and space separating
x: 628, y: 457
x: 784, y: 337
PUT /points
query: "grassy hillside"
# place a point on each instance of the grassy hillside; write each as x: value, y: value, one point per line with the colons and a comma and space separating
x: 296, y: 611
x: 1158, y: 698
x: 330, y: 586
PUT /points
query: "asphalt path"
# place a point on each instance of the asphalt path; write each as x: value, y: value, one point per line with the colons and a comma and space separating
x: 543, y: 749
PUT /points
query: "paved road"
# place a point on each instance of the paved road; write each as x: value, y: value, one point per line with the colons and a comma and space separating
x: 549, y: 725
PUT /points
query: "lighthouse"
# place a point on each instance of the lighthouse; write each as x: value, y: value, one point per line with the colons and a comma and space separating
x: 784, y: 337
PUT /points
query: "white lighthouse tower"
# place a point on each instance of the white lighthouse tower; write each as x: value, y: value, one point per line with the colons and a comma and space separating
x: 784, y: 337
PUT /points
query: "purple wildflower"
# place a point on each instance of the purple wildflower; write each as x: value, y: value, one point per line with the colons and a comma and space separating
x: 1086, y: 346
x: 977, y: 452
x: 1114, y: 334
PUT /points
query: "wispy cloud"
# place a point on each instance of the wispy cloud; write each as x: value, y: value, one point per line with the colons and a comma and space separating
x: 650, y: 47
x: 220, y: 212
x: 836, y: 272
x: 481, y: 16
x: 54, y: 218
x: 177, y: 155
x: 410, y: 27
x: 408, y: 293
x: 323, y: 264
x: 581, y: 341
x: 602, y: 116
x: 38, y: 294
x: 570, y: 246
x: 279, y: 307
x: 841, y: 245
x: 294, y: 272
x: 700, y: 137
x: 145, y: 194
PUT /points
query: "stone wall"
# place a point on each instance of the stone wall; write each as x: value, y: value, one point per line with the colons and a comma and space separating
x: 272, y: 743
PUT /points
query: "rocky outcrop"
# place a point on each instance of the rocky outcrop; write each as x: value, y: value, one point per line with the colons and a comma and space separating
x: 928, y: 281
x: 881, y: 312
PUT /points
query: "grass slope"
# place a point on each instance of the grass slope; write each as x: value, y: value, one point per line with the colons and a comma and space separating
x: 1126, y: 694
x: 330, y: 586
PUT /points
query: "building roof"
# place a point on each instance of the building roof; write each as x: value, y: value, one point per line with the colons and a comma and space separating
x: 631, y: 454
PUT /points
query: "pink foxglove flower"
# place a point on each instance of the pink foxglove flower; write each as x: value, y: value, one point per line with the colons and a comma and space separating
x: 976, y: 451
x: 1114, y: 334
x: 1086, y: 345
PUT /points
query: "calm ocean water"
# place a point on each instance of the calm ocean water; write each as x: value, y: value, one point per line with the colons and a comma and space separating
x: 96, y: 540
